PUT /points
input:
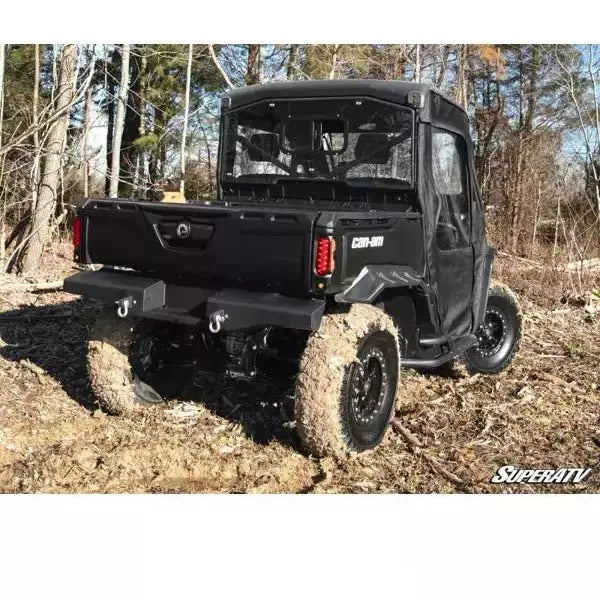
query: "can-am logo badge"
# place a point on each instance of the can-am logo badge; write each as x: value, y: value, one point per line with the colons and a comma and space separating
x: 510, y: 474
x: 183, y: 230
x: 375, y: 241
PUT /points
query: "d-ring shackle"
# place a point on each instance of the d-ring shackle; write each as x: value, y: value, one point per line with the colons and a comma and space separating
x: 123, y: 306
x: 215, y: 321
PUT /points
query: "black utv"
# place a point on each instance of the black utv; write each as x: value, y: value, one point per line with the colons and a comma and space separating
x: 347, y: 239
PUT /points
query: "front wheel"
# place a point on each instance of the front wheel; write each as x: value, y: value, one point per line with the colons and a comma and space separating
x: 346, y: 387
x: 499, y: 336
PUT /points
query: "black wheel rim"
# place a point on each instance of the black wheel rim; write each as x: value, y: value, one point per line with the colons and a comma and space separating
x: 368, y: 386
x: 491, y: 335
x: 151, y: 353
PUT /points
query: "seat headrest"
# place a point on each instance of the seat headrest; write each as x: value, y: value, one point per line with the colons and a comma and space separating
x: 263, y: 147
x: 373, y: 148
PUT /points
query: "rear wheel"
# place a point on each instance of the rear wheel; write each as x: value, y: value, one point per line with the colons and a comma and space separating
x: 134, y: 363
x: 346, y: 388
x: 499, y: 336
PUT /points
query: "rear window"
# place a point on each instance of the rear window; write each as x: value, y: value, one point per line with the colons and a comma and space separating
x: 354, y: 140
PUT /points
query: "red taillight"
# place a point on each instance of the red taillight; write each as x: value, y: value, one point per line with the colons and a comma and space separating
x: 77, y: 232
x: 324, y: 264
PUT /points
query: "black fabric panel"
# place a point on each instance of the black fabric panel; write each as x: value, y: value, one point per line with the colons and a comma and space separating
x: 430, y: 208
x: 454, y: 289
x: 447, y: 115
x: 483, y: 255
x: 450, y: 271
x: 483, y: 272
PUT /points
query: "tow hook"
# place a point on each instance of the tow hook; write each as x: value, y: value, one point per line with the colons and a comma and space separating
x: 123, y: 306
x: 216, y: 319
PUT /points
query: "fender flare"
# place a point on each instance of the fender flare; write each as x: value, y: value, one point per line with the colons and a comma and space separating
x: 373, y: 279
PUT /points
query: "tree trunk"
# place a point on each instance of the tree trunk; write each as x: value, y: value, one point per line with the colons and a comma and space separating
x: 292, y: 66
x: 460, y: 74
x: 418, y: 64
x: 252, y: 76
x: 556, y: 224
x: 536, y: 217
x: 131, y: 127
x: 50, y: 176
x: 86, y: 133
x: 3, y: 216
x: 441, y: 77
x: 460, y: 90
x: 35, y: 175
x: 142, y: 155
x: 261, y: 64
x: 2, y: 47
x: 527, y: 106
x: 186, y: 116
x: 119, y: 122
x: 110, y: 87
x: 516, y: 198
x: 465, y: 77
x: 334, y: 60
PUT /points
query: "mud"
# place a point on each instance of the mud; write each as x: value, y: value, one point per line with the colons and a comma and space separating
x: 542, y: 412
x: 328, y: 355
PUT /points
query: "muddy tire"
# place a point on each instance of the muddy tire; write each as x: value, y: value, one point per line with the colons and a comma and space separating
x: 117, y: 377
x: 499, y: 335
x: 346, y: 386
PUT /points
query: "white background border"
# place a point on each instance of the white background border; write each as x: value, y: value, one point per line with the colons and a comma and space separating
x: 286, y: 546
x: 304, y: 21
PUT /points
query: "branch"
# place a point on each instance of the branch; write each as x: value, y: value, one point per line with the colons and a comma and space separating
x: 45, y: 123
x: 418, y: 449
x: 46, y: 286
x: 219, y: 67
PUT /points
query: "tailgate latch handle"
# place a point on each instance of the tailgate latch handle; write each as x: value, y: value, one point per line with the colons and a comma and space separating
x: 216, y: 319
x: 123, y: 306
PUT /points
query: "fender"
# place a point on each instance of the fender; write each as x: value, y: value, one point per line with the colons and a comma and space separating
x: 373, y: 279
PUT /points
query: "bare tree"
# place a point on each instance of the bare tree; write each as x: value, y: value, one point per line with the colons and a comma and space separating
x: 141, y: 170
x: 292, y: 64
x: 35, y: 172
x: 113, y: 191
x: 2, y: 46
x: 254, y: 67
x: 50, y: 175
x: 87, y: 109
x: 587, y: 118
x: 460, y: 90
x: 443, y: 51
x: 186, y: 116
x: 49, y: 115
x: 417, y: 76
x: 3, y: 224
x: 334, y: 61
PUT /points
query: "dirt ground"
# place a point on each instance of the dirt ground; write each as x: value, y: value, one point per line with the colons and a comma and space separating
x: 543, y: 412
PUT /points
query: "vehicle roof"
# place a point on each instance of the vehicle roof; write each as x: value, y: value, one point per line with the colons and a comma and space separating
x: 438, y: 109
x: 392, y: 90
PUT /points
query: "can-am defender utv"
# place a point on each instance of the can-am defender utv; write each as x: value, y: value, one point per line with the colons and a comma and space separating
x: 347, y: 238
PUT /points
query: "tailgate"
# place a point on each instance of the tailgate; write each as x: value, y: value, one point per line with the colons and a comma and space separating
x: 262, y: 247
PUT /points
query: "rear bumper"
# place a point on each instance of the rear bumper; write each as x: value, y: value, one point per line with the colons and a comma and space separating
x: 191, y: 305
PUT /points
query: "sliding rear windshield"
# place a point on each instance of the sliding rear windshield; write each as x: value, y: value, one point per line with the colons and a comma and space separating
x: 359, y: 141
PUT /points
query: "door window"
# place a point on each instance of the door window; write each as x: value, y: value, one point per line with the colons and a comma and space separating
x: 450, y: 183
